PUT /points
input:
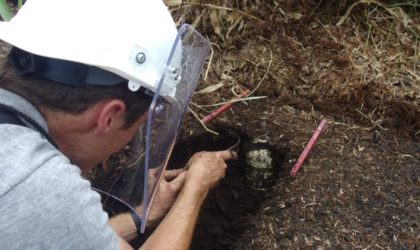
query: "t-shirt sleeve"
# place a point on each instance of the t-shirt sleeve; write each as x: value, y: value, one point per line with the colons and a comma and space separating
x: 54, y: 208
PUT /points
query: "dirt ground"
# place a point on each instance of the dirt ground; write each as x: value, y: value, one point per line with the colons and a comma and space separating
x: 352, y: 63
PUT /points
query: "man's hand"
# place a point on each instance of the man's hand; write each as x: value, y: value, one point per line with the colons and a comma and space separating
x: 181, y: 192
x: 203, y: 171
x: 206, y: 169
x: 167, y: 192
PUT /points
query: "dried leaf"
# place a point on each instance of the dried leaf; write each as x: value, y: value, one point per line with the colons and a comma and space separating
x: 210, y: 89
x: 295, y: 16
x: 235, y: 19
x: 216, y: 22
x: 172, y: 2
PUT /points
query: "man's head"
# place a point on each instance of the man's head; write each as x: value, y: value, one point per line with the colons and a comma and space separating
x: 90, y: 62
x: 53, y: 96
x: 82, y: 118
x: 137, y: 41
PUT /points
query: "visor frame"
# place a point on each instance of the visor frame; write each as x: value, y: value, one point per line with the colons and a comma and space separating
x: 187, y: 40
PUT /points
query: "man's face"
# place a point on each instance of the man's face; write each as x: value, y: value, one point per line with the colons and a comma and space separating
x: 86, y: 147
x: 116, y: 140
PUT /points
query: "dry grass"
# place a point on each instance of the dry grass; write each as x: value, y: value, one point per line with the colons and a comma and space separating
x: 364, y: 59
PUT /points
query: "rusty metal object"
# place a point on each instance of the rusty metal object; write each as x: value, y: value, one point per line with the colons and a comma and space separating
x: 260, y: 174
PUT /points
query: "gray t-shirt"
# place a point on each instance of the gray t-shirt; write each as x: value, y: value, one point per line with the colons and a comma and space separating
x: 44, y: 201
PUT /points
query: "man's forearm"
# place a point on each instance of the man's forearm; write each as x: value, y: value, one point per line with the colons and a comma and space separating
x: 123, y: 226
x: 168, y: 191
x: 176, y: 229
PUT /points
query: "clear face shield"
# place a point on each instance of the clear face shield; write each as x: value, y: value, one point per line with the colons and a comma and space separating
x: 136, y: 181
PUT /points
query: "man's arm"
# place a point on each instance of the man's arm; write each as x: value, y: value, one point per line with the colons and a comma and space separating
x: 175, y: 231
x: 205, y: 170
x: 169, y: 188
x: 123, y: 225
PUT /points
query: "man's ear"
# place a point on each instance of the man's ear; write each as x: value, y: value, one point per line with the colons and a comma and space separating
x: 111, y: 116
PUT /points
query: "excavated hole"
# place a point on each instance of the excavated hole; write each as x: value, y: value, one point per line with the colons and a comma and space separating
x: 240, y: 194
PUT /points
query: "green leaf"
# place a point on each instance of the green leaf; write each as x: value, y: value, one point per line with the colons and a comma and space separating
x: 5, y: 12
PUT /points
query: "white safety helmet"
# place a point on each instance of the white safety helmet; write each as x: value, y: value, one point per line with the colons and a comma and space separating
x: 107, y: 42
x: 131, y: 38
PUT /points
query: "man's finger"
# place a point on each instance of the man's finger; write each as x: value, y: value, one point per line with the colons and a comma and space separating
x: 153, y: 171
x: 178, y: 182
x: 228, y: 155
x: 171, y: 174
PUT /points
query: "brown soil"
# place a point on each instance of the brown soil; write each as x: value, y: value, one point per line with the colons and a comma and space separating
x: 360, y: 187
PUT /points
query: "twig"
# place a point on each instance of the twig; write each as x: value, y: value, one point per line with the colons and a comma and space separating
x: 266, y: 73
x: 212, y: 6
x: 202, y: 124
x: 308, y: 148
x: 210, y: 61
x: 198, y: 106
x: 387, y: 8
x: 222, y: 109
x: 348, y: 12
x: 316, y: 7
x: 327, y: 30
x: 232, y: 101
x: 197, y: 20
x: 243, y: 100
x: 370, y: 119
x: 403, y: 4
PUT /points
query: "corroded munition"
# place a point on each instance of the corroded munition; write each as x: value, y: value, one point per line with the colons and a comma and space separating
x: 259, y: 165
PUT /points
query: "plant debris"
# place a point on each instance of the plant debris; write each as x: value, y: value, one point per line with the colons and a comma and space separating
x: 359, y: 189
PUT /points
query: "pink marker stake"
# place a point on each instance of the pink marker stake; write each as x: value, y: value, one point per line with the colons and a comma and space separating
x: 223, y: 108
x: 308, y: 148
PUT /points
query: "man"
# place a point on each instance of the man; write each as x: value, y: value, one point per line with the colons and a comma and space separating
x: 82, y: 77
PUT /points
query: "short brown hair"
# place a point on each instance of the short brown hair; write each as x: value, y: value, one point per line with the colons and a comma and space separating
x: 43, y: 93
